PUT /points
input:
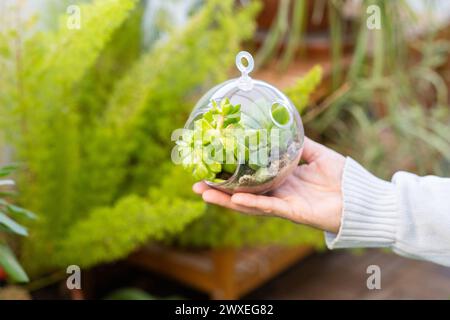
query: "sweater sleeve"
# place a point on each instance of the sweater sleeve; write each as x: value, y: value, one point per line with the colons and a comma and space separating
x: 410, y: 215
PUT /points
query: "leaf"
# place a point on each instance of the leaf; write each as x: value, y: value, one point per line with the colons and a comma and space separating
x: 16, y: 210
x: 12, y: 226
x: 7, y: 170
x: 9, y: 263
x: 13, y: 209
x: 4, y: 229
x: 7, y: 194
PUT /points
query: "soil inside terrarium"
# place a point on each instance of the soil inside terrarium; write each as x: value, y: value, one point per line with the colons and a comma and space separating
x: 224, y: 175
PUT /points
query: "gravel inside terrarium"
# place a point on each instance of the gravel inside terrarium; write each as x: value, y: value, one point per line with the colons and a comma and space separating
x: 263, y: 175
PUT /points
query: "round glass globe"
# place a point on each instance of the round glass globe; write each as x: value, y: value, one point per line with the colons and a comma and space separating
x: 263, y: 108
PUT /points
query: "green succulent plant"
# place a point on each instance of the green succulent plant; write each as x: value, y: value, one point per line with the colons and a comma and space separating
x: 225, y: 136
x: 211, y: 130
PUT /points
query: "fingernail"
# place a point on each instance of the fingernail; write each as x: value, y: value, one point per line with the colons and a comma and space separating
x: 195, y: 187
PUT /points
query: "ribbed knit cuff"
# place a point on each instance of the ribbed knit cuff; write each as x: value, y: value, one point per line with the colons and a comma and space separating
x: 369, y: 210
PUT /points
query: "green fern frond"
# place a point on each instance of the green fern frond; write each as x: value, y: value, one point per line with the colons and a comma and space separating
x: 135, y: 128
x: 221, y: 227
x: 110, y: 233
x: 301, y: 91
x: 70, y: 52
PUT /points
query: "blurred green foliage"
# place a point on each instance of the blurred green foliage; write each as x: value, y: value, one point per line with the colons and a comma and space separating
x: 390, y: 108
x: 90, y: 115
x: 390, y: 111
x: 8, y: 226
x: 301, y: 91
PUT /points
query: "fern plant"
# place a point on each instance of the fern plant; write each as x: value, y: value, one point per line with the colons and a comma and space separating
x: 90, y: 115
x: 91, y: 170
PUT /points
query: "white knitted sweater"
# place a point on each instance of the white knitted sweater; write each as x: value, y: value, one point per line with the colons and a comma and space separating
x: 411, y: 214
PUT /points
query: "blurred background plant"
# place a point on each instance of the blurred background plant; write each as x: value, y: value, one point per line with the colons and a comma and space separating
x: 90, y: 112
x: 94, y: 134
x: 9, y: 266
x: 396, y: 105
x: 392, y: 96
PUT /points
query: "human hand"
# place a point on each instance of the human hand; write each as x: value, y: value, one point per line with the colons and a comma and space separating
x: 310, y: 195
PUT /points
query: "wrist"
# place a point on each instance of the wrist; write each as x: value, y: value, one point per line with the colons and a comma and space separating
x: 369, y: 210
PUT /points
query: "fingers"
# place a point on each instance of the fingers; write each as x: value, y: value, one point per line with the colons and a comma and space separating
x: 244, y: 202
x: 263, y: 204
x: 311, y: 150
x: 224, y: 200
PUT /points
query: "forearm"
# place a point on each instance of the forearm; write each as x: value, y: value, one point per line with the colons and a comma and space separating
x: 411, y: 214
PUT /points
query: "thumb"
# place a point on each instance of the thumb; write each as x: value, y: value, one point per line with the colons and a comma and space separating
x: 311, y: 150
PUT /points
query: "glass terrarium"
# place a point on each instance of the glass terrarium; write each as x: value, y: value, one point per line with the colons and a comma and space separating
x: 244, y: 135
